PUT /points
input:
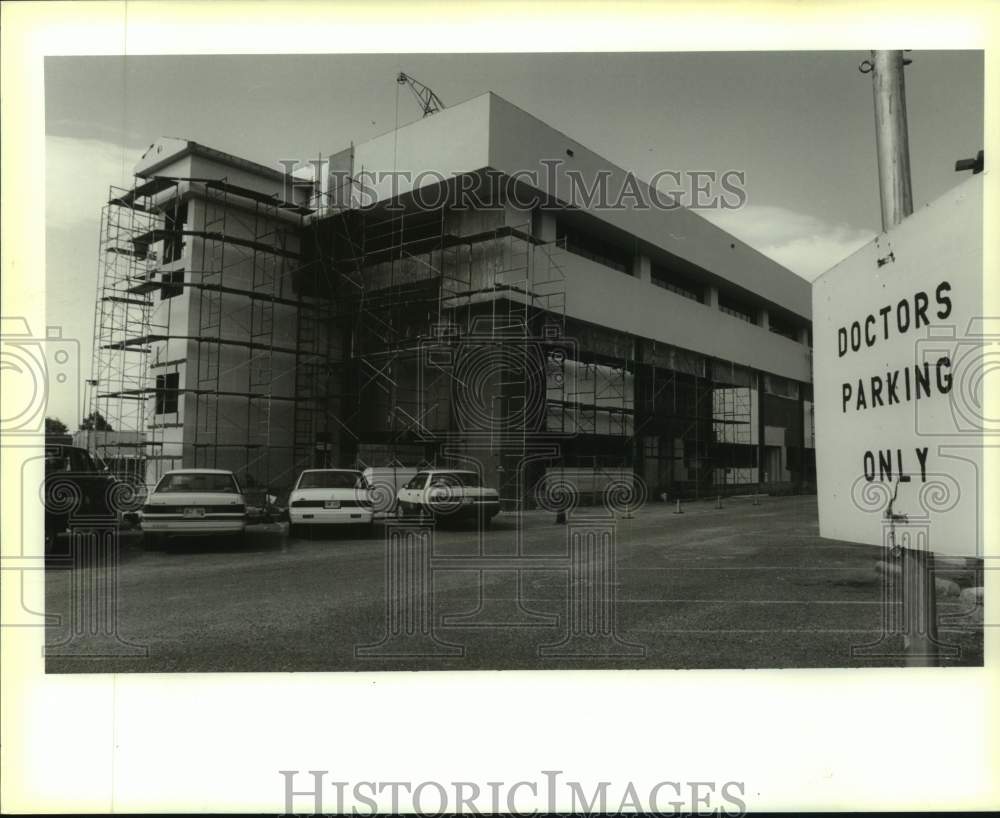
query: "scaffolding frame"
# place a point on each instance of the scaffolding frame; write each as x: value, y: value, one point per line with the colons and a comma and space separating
x: 412, y: 284
x: 124, y: 310
x: 237, y: 258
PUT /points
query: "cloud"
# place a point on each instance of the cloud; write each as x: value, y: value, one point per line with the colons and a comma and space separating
x: 78, y: 173
x: 803, y: 243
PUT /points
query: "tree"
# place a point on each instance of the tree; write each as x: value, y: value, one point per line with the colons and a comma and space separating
x: 54, y: 426
x: 95, y: 422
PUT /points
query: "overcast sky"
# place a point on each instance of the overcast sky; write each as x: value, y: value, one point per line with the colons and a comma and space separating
x: 800, y: 125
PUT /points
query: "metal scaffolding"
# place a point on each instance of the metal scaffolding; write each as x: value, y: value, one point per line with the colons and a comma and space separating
x: 187, y: 362
x: 422, y: 302
x: 124, y: 324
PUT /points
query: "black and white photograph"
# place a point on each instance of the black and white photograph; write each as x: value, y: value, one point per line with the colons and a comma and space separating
x: 622, y: 360
x: 418, y: 378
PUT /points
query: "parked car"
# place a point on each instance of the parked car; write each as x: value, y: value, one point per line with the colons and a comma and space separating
x: 454, y: 493
x: 77, y: 485
x: 194, y: 502
x: 329, y: 497
x: 385, y: 483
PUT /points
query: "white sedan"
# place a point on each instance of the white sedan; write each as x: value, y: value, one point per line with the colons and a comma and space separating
x: 196, y: 502
x: 329, y: 497
x: 449, y: 492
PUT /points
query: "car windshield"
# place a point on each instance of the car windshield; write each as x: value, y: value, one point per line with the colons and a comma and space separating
x: 198, y: 482
x: 456, y: 478
x: 331, y: 480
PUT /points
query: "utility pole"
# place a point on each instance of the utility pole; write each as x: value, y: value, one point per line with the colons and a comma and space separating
x: 891, y: 139
x: 919, y: 614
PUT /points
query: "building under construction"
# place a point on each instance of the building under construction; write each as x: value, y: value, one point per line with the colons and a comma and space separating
x: 249, y: 321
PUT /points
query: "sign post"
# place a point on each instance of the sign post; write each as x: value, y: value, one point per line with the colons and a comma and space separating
x: 891, y: 138
x: 896, y: 194
x: 898, y: 358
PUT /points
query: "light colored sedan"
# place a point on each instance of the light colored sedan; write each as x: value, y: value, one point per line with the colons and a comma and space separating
x: 329, y: 497
x: 195, y: 502
x: 453, y: 493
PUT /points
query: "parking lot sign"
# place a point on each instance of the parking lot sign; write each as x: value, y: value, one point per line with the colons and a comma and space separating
x: 901, y: 354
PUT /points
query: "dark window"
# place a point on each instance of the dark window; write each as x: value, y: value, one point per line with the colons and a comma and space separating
x: 736, y: 308
x: 174, y: 218
x: 455, y: 479
x: 783, y: 387
x: 676, y: 283
x: 208, y: 482
x: 780, y: 326
x: 173, y: 284
x: 599, y: 250
x: 331, y: 480
x: 167, y: 387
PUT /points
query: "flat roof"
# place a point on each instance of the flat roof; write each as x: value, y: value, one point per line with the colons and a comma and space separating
x: 489, y: 133
x: 168, y: 149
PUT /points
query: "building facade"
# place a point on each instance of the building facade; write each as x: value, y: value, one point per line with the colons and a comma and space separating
x: 440, y: 295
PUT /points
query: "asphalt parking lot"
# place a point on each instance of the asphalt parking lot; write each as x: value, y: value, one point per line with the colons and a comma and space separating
x: 745, y: 586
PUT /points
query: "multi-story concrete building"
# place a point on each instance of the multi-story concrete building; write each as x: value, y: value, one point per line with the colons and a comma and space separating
x: 441, y: 294
x: 196, y: 321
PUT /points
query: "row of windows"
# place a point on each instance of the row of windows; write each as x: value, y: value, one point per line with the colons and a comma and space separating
x: 677, y: 284
x: 166, y: 395
x: 781, y: 327
x: 610, y: 255
x: 731, y: 306
x: 603, y: 252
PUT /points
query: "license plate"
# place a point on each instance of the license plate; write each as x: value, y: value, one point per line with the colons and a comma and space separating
x: 331, y: 504
x: 193, y: 512
x: 467, y: 501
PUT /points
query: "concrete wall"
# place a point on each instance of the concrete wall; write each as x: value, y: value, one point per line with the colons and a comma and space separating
x: 204, y: 168
x: 454, y: 140
x: 599, y: 295
x: 227, y: 422
x: 518, y: 141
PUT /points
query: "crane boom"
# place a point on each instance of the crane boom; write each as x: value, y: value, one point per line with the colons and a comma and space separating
x: 430, y: 103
